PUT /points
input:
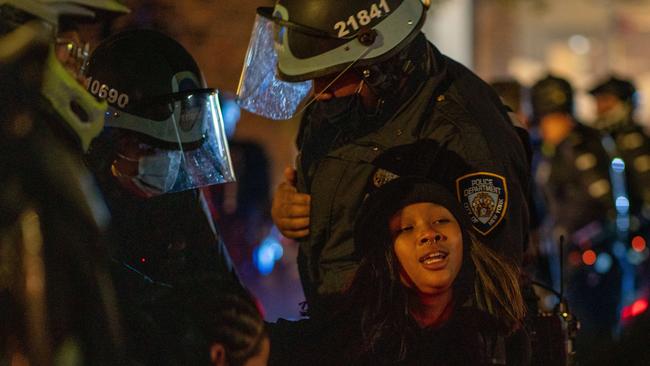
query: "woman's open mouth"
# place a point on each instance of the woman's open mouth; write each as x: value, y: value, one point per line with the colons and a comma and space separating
x: 434, y: 257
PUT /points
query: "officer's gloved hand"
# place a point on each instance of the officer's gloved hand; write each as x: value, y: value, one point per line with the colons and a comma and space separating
x: 290, y: 209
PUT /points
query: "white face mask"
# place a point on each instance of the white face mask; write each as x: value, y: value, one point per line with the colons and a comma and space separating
x: 158, y: 173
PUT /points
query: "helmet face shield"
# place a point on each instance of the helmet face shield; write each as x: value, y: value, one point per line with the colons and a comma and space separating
x: 301, y: 40
x: 260, y: 91
x: 184, y: 150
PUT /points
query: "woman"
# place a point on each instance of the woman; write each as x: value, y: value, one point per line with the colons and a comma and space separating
x: 427, y: 292
x: 427, y: 289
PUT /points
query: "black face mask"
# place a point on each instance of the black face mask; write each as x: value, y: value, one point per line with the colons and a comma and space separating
x: 344, y: 112
x: 329, y: 124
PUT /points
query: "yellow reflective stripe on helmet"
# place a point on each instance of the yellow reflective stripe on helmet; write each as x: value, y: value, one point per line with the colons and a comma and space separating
x: 61, y: 89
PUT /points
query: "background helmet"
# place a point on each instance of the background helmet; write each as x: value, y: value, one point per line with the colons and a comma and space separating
x: 157, y: 97
x: 622, y: 89
x: 81, y: 114
x: 551, y: 95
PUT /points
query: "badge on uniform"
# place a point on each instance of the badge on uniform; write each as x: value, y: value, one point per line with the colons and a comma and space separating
x: 382, y: 176
x: 484, y: 197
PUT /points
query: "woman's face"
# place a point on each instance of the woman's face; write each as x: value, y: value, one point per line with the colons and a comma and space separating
x: 428, y: 243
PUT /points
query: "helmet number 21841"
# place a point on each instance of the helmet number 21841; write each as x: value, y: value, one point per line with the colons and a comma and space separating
x: 362, y: 18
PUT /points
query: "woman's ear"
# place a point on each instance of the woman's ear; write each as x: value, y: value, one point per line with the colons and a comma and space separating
x: 218, y: 354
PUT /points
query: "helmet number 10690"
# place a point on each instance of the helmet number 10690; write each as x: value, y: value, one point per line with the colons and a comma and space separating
x: 362, y: 18
x: 103, y: 91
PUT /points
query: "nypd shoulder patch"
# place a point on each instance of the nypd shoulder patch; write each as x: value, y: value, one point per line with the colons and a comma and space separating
x: 382, y: 176
x: 484, y: 197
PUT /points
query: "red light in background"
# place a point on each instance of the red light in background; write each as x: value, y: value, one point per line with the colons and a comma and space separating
x: 143, y: 260
x: 637, y: 308
x: 638, y: 243
x: 589, y: 257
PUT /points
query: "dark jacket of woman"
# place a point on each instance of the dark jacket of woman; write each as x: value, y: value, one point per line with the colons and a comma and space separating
x: 470, y: 337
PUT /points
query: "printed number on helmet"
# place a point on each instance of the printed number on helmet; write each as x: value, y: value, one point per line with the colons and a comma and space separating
x: 103, y: 91
x: 362, y: 18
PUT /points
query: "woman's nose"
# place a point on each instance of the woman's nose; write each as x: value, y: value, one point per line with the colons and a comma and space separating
x: 431, y: 236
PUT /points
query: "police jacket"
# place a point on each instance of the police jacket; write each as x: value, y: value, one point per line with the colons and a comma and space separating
x: 451, y: 106
x: 574, y: 177
x: 633, y: 145
x: 163, y: 237
x: 170, y: 236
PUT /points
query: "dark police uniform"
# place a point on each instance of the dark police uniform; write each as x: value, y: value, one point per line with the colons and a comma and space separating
x: 633, y: 145
x: 575, y: 181
x: 163, y: 237
x: 158, y: 241
x: 451, y: 106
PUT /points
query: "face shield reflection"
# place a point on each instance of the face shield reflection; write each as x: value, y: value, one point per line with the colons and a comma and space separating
x: 185, y: 149
x: 260, y: 91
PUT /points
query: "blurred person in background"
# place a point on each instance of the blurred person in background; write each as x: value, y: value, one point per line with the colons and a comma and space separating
x: 616, y: 102
x: 57, y: 302
x: 514, y: 96
x: 377, y: 83
x: 573, y: 175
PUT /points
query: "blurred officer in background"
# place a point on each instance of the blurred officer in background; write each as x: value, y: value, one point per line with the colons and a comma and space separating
x: 514, y: 96
x: 625, y: 139
x: 616, y: 102
x: 377, y: 83
x: 573, y: 175
x: 56, y: 297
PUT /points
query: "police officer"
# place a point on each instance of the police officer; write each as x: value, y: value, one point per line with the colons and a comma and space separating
x: 377, y: 83
x: 615, y: 105
x: 573, y: 175
x: 163, y: 140
x: 56, y: 296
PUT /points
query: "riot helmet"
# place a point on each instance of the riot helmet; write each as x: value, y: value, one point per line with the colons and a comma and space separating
x: 78, y: 111
x: 299, y: 40
x: 164, y: 131
x: 616, y: 101
x: 551, y: 95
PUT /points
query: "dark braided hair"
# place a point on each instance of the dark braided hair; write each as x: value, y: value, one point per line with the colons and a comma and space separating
x: 184, y: 321
x: 227, y: 317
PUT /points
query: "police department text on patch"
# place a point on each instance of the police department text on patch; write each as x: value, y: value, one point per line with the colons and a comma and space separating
x: 485, y: 199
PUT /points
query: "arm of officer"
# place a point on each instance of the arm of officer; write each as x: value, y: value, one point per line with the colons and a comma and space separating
x: 290, y: 209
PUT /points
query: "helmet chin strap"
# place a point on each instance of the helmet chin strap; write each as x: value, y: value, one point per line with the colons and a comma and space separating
x: 348, y: 67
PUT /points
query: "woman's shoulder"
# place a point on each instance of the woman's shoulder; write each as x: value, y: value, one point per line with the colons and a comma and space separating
x: 500, y: 346
x: 313, y: 341
x: 475, y: 337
